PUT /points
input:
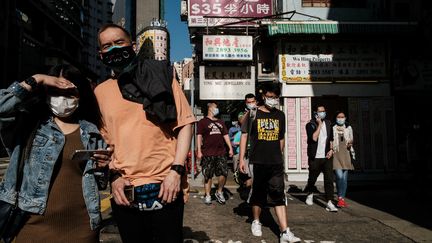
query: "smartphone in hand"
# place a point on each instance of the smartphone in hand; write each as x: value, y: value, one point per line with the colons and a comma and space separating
x: 87, y: 154
x: 129, y: 193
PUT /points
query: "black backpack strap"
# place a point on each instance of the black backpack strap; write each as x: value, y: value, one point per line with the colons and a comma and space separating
x: 251, y: 119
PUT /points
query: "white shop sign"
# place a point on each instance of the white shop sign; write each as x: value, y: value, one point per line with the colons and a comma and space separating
x: 226, y: 83
x: 227, y: 47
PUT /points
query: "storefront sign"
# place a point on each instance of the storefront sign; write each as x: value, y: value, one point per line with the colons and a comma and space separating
x: 227, y: 47
x: 229, y: 11
x: 334, y: 61
x: 226, y: 83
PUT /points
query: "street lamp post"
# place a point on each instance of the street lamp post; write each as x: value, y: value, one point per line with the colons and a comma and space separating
x: 192, y: 88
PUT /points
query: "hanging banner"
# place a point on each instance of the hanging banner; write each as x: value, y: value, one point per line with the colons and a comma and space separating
x: 334, y: 61
x: 226, y: 83
x: 226, y: 11
x: 227, y: 47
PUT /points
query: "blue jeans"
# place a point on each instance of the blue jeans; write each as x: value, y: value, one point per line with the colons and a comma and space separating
x: 341, y: 182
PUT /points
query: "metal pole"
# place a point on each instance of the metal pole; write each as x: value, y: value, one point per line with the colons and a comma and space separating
x: 192, y: 88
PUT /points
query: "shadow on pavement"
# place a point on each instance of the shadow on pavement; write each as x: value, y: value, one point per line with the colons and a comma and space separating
x: 299, y: 194
x: 267, y: 219
x: 191, y: 236
x: 405, y: 200
x: 408, y: 199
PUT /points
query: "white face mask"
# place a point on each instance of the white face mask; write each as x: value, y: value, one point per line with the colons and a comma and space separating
x: 62, y: 106
x: 271, y: 102
x: 251, y: 106
x: 215, y: 111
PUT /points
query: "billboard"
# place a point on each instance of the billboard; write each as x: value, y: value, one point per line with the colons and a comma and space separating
x: 227, y: 47
x: 220, y: 12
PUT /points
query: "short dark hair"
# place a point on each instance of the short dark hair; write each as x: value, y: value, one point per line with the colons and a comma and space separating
x: 249, y: 96
x: 271, y: 87
x: 318, y: 105
x: 111, y: 25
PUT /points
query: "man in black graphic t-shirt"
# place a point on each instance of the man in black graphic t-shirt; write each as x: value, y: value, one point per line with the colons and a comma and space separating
x: 267, y: 143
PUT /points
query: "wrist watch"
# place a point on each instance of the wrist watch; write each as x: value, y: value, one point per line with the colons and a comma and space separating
x: 114, y: 175
x: 31, y: 82
x: 180, y: 169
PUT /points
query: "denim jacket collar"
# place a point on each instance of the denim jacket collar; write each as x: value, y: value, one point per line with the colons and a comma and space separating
x: 85, y: 126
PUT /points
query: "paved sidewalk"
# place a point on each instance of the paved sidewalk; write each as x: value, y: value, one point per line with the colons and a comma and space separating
x: 360, y: 222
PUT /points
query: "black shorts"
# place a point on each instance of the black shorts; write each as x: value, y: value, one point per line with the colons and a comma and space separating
x: 214, y: 166
x: 268, y: 185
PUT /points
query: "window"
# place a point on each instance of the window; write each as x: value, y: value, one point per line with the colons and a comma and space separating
x: 334, y: 3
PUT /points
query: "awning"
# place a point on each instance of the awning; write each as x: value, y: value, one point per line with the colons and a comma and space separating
x: 335, y: 27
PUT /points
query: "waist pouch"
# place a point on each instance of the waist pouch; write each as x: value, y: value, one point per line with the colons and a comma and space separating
x: 146, y: 197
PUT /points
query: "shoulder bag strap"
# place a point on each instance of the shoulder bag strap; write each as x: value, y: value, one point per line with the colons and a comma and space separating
x: 251, y: 119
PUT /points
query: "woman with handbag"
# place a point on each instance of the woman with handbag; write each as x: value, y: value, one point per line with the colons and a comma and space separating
x: 342, y: 153
x: 43, y: 120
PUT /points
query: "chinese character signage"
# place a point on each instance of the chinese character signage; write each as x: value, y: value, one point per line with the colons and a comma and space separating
x: 226, y: 83
x: 227, y: 47
x: 229, y: 11
x: 334, y: 61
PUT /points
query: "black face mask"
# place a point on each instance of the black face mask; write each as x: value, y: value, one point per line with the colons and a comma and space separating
x: 117, y: 58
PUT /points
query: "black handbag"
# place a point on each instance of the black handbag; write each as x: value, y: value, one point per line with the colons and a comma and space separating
x: 12, y: 218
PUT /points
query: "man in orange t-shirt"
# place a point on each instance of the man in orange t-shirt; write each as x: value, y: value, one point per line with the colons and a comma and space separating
x: 148, y: 154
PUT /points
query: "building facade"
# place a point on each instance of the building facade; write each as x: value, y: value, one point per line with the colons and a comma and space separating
x: 355, y: 56
x: 95, y: 14
x: 135, y: 15
x: 39, y: 34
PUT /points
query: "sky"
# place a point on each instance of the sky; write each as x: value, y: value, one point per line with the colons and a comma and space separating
x: 179, y: 34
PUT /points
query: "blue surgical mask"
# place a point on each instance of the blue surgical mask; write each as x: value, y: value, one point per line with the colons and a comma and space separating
x: 322, y: 114
x: 215, y: 111
x: 340, y: 121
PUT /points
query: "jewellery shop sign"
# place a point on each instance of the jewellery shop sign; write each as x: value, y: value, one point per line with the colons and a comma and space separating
x: 226, y: 83
x: 334, y: 61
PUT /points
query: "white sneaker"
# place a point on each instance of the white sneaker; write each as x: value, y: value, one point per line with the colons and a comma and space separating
x: 309, y: 199
x: 288, y: 237
x: 207, y: 199
x: 220, y: 197
x: 256, y: 228
x: 331, y: 207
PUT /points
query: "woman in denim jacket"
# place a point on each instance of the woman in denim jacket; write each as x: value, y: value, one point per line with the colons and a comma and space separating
x: 46, y: 118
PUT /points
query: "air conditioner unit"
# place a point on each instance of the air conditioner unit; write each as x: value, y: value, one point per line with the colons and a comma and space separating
x: 183, y: 8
